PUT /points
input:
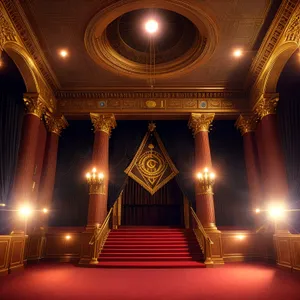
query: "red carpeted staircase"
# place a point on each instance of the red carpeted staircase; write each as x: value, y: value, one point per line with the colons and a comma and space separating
x: 151, y: 247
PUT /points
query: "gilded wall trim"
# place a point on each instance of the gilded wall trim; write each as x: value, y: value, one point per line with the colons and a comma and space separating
x: 272, y: 39
x: 30, y: 41
x: 161, y: 101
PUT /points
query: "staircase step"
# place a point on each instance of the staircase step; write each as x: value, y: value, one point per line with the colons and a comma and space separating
x: 145, y: 254
x: 150, y: 264
x: 148, y: 258
x: 145, y: 250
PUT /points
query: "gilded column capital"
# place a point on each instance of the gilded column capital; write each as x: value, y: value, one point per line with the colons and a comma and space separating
x: 33, y: 104
x: 200, y: 122
x: 266, y: 105
x: 55, y: 124
x: 103, y: 122
x: 246, y: 123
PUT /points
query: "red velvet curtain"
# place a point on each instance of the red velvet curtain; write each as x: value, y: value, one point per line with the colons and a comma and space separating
x: 164, y: 208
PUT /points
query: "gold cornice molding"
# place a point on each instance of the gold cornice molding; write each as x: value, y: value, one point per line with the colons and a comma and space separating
x: 272, y: 39
x: 266, y: 105
x: 246, y: 123
x: 55, y: 124
x: 34, y: 104
x: 200, y: 122
x: 159, y: 101
x: 30, y: 41
x: 103, y: 122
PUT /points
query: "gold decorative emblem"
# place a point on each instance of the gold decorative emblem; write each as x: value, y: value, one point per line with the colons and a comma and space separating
x: 151, y: 167
x: 150, y: 104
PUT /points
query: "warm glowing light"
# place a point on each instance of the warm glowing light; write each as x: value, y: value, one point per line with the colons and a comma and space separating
x: 63, y: 53
x: 276, y: 212
x: 240, y: 237
x: 101, y: 175
x: 199, y: 175
x: 25, y: 211
x: 257, y: 210
x: 94, y: 170
x: 45, y: 210
x: 206, y: 170
x: 237, y: 53
x: 2, y: 204
x: 151, y: 26
x: 212, y: 175
x: 1, y: 63
x: 88, y: 175
x: 68, y: 237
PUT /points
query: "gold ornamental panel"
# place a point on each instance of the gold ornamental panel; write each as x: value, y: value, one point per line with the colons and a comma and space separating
x: 151, y: 167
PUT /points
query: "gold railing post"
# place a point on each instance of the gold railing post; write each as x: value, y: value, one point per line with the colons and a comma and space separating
x: 120, y: 209
x: 186, y: 211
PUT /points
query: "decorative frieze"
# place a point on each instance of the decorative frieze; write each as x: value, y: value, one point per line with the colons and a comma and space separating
x: 103, y: 122
x: 200, y: 122
x: 34, y: 105
x: 246, y: 123
x: 7, y: 33
x: 55, y: 124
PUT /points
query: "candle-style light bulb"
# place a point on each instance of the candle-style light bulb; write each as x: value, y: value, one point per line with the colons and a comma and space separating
x: 94, y: 170
x: 88, y: 175
x: 206, y: 170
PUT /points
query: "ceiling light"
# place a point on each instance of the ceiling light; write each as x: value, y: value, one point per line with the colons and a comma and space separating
x: 63, y: 53
x: 151, y: 26
x: 25, y: 211
x: 237, y: 53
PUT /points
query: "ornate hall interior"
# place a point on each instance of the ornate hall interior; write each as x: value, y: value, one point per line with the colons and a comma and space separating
x: 149, y: 149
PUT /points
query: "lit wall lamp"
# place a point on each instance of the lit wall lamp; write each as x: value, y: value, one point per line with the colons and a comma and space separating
x: 206, y: 181
x: 96, y: 181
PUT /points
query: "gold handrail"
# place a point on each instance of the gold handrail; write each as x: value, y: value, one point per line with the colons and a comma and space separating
x: 203, y: 239
x: 100, y: 234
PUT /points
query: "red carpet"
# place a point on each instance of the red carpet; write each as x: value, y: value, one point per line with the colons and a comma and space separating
x: 151, y: 247
x: 233, y: 281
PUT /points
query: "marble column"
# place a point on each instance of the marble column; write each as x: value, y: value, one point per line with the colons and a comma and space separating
x: 39, y: 158
x: 23, y: 182
x: 55, y: 125
x: 247, y: 125
x: 271, y: 155
x: 200, y: 124
x: 103, y: 124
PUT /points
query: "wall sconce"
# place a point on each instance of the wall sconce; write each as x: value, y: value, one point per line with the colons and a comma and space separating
x: 67, y: 237
x: 206, y: 181
x: 95, y: 181
x: 240, y: 237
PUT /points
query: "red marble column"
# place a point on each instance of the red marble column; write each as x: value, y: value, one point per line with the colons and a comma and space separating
x: 103, y: 123
x: 23, y: 181
x: 271, y: 155
x: 247, y: 125
x: 204, y: 201
x: 54, y: 125
x: 39, y: 158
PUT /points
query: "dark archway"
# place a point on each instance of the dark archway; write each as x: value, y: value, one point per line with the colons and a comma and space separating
x: 288, y: 113
x: 12, y: 87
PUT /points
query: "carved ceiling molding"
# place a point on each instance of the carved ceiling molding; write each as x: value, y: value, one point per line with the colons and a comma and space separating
x: 102, y: 53
x: 26, y: 34
x: 231, y: 102
x: 272, y: 39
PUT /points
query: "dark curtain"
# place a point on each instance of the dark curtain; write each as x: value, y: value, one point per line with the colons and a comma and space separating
x: 164, y: 208
x: 288, y: 116
x: 71, y: 197
x: 231, y: 187
x: 12, y: 88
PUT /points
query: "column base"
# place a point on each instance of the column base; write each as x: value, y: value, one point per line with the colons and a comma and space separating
x: 216, y: 249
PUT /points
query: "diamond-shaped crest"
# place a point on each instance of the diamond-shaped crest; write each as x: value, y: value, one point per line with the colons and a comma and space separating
x: 151, y: 166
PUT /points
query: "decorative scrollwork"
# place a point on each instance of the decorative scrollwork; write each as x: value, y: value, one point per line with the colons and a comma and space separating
x: 200, y: 122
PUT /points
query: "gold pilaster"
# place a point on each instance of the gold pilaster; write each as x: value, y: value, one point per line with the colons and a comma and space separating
x: 266, y: 105
x: 55, y: 124
x: 103, y: 122
x: 34, y: 105
x: 246, y: 123
x: 200, y: 122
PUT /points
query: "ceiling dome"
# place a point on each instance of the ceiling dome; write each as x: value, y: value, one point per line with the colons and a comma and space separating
x: 176, y: 35
x: 117, y: 40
